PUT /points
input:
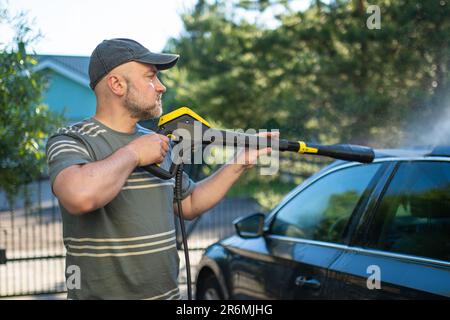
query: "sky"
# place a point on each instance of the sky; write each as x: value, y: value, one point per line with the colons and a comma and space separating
x: 75, y: 27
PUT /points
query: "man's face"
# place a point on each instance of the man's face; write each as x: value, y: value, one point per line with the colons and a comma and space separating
x: 144, y: 92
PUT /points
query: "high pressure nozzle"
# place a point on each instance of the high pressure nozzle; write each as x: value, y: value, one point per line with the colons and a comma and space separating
x: 348, y: 152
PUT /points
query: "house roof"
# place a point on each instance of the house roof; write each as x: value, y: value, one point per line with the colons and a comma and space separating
x: 73, y: 67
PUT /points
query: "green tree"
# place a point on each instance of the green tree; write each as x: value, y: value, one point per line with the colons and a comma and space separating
x: 321, y: 74
x: 24, y: 122
x: 217, y: 73
x: 367, y: 85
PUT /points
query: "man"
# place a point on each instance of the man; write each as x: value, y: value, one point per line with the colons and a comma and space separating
x: 118, y: 221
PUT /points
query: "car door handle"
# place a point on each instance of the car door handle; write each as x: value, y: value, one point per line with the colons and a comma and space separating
x: 302, y: 281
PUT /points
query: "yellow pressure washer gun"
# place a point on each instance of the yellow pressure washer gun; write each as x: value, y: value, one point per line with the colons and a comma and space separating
x: 185, y: 118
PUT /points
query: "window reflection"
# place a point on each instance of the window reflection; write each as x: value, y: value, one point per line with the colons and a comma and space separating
x: 322, y: 210
x: 414, y: 215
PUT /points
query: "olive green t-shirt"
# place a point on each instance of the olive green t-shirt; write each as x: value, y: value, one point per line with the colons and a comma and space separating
x: 126, y: 249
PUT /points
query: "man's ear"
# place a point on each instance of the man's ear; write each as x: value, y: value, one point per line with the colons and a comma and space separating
x: 117, y: 84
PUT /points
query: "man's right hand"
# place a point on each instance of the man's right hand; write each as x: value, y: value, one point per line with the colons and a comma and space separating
x: 149, y: 149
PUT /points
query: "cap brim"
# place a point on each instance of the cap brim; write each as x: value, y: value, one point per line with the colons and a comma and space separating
x: 161, y: 61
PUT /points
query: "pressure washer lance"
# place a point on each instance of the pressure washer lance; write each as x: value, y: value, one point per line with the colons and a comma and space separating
x: 185, y: 126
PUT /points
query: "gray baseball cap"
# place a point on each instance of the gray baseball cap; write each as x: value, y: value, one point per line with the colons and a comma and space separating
x: 112, y: 53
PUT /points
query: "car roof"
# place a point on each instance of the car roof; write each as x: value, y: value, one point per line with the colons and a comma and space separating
x: 418, y: 151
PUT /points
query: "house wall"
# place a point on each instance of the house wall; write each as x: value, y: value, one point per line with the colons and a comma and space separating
x: 64, y: 93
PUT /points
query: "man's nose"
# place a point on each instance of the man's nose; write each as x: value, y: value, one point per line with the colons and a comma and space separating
x: 159, y: 86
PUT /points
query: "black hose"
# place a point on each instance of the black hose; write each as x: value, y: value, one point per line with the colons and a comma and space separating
x: 178, y: 188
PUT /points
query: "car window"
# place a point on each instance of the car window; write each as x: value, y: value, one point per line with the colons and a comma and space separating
x: 414, y: 215
x: 322, y: 210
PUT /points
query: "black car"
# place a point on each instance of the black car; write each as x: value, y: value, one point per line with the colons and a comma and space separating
x: 351, y: 231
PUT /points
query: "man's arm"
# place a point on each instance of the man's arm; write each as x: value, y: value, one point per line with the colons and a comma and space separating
x: 208, y: 192
x: 84, y: 188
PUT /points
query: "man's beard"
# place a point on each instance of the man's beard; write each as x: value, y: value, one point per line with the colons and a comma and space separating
x: 138, y: 108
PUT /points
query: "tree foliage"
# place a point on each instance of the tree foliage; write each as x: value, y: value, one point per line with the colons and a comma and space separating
x: 320, y: 74
x: 24, y: 122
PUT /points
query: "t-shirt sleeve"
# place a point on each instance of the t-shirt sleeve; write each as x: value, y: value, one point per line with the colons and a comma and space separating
x: 187, y: 187
x: 64, y: 151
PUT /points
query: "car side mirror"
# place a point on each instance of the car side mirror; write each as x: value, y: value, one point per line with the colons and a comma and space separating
x: 250, y: 226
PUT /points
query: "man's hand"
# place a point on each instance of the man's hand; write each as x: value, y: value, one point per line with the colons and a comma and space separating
x: 149, y: 149
x: 248, y: 157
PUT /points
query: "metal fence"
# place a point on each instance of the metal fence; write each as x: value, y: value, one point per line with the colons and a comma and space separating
x: 32, y: 239
x: 32, y: 254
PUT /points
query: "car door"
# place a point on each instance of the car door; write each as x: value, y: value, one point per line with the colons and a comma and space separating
x: 303, y: 237
x: 402, y: 250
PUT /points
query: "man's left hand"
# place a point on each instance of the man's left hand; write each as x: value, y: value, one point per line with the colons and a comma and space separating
x: 247, y: 158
